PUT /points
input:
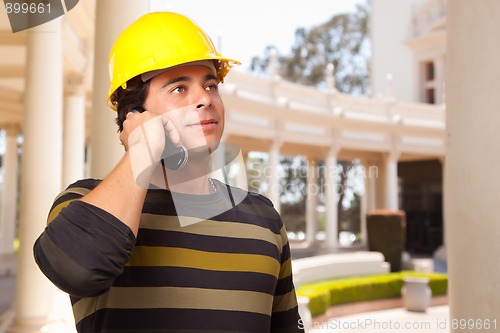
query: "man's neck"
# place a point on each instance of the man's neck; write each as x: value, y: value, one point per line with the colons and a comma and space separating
x: 192, y: 178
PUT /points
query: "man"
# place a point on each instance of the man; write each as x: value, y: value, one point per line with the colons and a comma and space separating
x: 153, y: 249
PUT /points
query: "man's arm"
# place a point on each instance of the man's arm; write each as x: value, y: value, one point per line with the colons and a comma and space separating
x: 285, y: 317
x: 84, y: 248
x: 121, y: 193
x: 88, y: 242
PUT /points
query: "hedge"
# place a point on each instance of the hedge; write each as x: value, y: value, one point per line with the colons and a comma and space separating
x: 324, y: 294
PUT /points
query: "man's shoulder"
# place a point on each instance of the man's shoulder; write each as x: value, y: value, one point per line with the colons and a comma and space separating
x: 260, y: 199
x: 87, y: 183
x: 77, y: 189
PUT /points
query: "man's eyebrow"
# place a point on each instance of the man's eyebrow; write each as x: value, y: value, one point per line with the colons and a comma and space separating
x: 209, y: 77
x: 177, y: 79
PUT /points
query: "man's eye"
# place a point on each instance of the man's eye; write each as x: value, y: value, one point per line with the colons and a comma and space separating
x: 213, y: 87
x: 179, y: 89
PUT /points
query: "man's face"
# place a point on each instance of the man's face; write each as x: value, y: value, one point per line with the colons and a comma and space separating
x: 190, y: 96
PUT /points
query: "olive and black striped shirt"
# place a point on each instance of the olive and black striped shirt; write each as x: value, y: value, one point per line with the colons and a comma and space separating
x: 229, y: 273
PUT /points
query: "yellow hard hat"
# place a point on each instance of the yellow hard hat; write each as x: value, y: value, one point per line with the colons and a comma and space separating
x: 157, y: 41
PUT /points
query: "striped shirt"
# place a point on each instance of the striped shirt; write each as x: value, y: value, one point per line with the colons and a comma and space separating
x: 229, y: 273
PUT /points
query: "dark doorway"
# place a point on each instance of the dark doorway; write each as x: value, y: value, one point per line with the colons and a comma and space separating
x: 422, y: 200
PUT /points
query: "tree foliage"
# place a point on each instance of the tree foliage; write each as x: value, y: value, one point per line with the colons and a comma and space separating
x: 342, y: 41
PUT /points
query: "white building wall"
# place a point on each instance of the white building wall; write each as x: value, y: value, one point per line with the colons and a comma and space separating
x: 389, y: 28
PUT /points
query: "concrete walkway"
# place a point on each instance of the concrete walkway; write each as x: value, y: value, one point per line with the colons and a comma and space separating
x: 385, y: 315
x: 434, y: 320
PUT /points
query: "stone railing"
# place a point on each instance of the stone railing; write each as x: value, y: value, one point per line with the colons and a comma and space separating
x: 268, y: 108
x: 328, y: 102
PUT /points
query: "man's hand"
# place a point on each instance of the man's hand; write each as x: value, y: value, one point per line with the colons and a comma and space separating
x: 143, y: 137
x: 148, y: 129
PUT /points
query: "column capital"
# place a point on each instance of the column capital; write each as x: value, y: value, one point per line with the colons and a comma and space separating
x: 74, y: 83
x: 334, y: 148
x: 395, y: 147
x: 392, y: 155
x: 278, y: 136
x: 11, y: 129
x: 277, y: 141
x: 333, y: 151
x: 313, y: 160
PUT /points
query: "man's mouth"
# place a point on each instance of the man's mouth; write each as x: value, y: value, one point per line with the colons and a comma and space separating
x: 206, y: 124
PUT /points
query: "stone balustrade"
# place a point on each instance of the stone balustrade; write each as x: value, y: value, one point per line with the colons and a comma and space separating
x: 270, y: 107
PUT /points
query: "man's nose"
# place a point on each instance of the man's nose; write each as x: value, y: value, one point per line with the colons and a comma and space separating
x: 202, y: 98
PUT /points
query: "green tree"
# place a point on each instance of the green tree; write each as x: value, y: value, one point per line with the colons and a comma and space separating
x: 342, y: 41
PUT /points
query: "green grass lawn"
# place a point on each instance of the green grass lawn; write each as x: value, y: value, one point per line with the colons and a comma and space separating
x: 324, y: 294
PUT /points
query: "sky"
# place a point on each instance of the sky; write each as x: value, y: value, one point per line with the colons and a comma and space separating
x: 242, y: 29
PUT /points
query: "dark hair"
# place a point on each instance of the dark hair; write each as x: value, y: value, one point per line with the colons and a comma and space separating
x: 126, y: 99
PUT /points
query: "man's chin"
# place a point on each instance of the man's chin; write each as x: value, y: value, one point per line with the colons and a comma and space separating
x: 212, y: 147
x: 207, y: 148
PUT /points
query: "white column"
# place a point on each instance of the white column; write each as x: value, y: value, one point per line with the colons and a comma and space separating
x: 364, y: 205
x: 112, y: 16
x: 471, y: 177
x: 439, y: 65
x: 74, y: 130
x: 442, y: 160
x: 312, y: 201
x: 391, y: 182
x: 41, y: 172
x: 331, y: 191
x: 371, y: 186
x: 274, y: 189
x: 9, y: 192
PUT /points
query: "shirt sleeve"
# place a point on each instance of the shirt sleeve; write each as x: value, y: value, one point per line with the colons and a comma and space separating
x: 285, y: 316
x: 83, y: 248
